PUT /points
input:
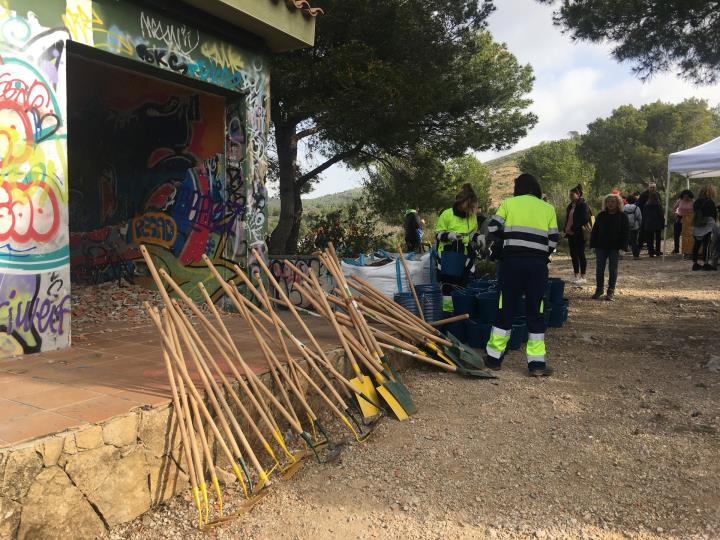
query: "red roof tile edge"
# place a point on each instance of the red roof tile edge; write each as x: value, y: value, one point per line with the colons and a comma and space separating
x: 305, y: 7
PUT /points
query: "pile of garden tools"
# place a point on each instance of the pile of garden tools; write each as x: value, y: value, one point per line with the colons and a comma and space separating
x: 216, y: 413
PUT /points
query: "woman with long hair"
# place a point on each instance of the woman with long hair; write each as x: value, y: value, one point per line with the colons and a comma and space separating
x: 682, y: 207
x: 456, y: 227
x: 577, y: 216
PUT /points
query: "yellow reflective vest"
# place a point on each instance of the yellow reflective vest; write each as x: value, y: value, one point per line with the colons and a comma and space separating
x: 526, y: 225
x: 449, y: 222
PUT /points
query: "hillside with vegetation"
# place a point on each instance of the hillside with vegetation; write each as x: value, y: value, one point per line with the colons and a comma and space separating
x: 503, y: 171
x: 324, y: 202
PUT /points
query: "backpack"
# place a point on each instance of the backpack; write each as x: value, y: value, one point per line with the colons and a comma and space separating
x: 632, y: 216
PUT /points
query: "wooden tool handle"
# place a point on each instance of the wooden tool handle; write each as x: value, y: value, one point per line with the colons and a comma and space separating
x: 411, y: 284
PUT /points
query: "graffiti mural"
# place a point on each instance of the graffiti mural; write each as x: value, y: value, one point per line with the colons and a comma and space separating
x: 34, y: 255
x: 287, y: 279
x: 147, y: 167
x: 155, y: 168
x: 152, y: 38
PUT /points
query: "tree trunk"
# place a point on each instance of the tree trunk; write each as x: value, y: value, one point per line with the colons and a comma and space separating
x: 285, y: 236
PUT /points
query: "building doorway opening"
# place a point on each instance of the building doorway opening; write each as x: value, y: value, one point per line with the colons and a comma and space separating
x: 146, y: 160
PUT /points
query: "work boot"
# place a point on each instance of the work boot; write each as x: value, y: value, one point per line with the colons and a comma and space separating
x: 493, y: 363
x: 609, y: 296
x: 696, y: 267
x: 539, y: 369
x: 598, y: 294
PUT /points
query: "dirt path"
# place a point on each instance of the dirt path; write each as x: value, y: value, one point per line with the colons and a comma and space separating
x: 623, y: 442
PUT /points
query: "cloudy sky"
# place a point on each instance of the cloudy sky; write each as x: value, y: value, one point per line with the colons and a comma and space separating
x: 575, y: 83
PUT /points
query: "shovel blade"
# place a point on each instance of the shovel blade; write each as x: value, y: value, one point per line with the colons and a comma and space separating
x: 471, y: 359
x: 440, y: 354
x: 467, y: 354
x: 397, y: 409
x: 366, y: 388
x: 476, y: 373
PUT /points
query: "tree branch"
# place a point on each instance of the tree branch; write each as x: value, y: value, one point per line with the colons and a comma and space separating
x: 305, y: 178
x: 305, y: 133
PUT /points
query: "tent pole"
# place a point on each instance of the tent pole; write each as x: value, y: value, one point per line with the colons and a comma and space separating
x: 667, y: 208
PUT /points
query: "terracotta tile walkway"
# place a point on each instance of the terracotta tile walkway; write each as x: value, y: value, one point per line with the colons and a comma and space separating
x: 109, y: 371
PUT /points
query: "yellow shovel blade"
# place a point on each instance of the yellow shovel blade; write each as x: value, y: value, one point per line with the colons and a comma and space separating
x: 366, y: 387
x: 393, y: 403
x: 440, y: 354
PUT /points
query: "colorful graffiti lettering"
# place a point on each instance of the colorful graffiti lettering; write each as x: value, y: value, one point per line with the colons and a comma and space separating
x: 34, y: 310
x: 34, y: 255
x: 154, y: 228
x: 28, y: 212
x: 205, y: 58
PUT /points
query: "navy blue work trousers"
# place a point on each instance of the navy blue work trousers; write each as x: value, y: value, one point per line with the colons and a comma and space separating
x: 518, y: 276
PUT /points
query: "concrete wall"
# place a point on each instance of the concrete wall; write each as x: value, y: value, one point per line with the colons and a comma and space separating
x: 78, y: 483
x: 35, y: 185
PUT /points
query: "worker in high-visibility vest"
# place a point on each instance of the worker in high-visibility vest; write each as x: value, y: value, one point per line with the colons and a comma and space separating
x: 456, y: 228
x: 524, y: 232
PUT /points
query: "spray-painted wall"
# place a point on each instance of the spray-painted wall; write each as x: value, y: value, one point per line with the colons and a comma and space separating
x: 35, y: 186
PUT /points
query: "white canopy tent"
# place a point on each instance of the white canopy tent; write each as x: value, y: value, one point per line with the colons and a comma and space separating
x: 702, y: 161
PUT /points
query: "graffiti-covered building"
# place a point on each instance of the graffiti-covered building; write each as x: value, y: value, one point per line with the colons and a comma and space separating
x: 125, y: 123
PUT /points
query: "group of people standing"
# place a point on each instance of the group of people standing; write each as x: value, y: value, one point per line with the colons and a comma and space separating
x: 609, y: 233
x: 628, y: 224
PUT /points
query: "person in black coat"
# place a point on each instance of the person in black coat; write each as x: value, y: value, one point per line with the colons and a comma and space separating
x: 576, y: 216
x: 642, y: 199
x: 653, y: 223
x: 610, y: 234
x: 412, y: 225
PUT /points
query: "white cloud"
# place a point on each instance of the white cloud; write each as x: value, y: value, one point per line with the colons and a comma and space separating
x: 576, y: 82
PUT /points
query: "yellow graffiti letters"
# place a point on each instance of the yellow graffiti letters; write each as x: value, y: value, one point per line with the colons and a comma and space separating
x: 79, y: 18
x: 223, y: 55
x: 154, y: 228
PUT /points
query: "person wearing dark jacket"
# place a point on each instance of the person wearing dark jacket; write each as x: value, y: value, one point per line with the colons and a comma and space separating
x: 642, y: 199
x: 645, y: 195
x: 576, y: 216
x: 610, y: 234
x: 412, y: 226
x: 704, y: 219
x: 653, y: 223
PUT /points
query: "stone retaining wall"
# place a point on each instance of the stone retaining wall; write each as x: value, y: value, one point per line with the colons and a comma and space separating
x: 77, y: 483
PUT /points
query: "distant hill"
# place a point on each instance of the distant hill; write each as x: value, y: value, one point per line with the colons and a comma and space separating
x: 503, y: 171
x: 324, y: 202
x: 333, y: 200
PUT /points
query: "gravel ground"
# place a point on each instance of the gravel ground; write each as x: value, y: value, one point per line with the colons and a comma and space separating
x: 623, y: 441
